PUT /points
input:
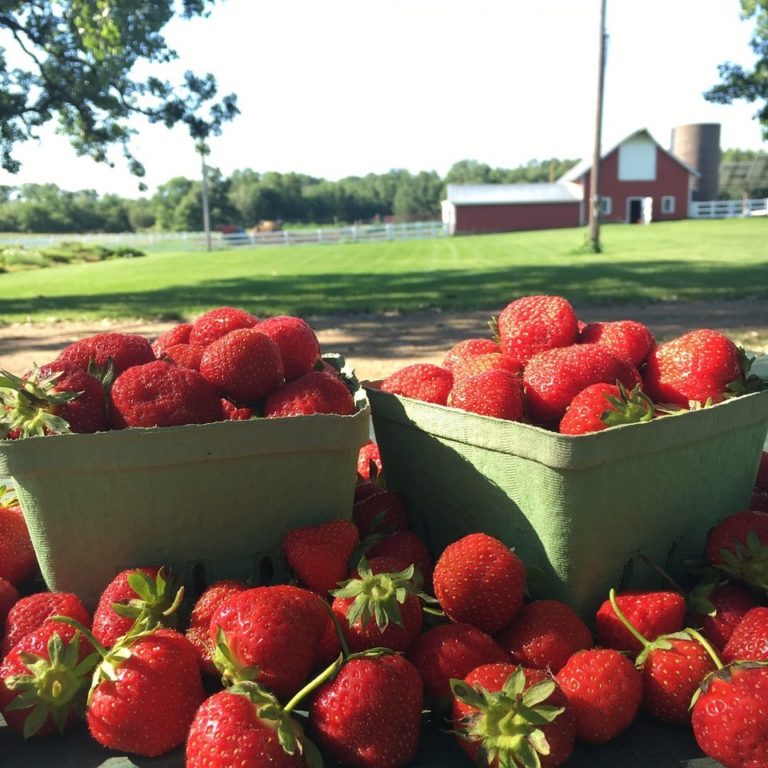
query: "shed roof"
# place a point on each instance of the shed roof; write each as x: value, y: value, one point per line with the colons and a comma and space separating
x: 495, y: 194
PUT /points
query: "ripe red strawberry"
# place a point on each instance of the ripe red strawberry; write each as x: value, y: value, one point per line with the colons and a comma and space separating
x: 161, y: 394
x: 272, y: 635
x: 383, y: 512
x: 738, y: 545
x: 9, y: 596
x: 532, y: 324
x: 232, y: 412
x: 749, y: 640
x: 369, y: 461
x: 603, y: 405
x: 379, y: 607
x: 718, y: 608
x: 123, y: 349
x: 44, y: 680
x: 508, y: 715
x: 32, y: 611
x: 408, y: 549
x: 314, y: 392
x: 728, y: 719
x: 554, y: 377
x: 299, y: 347
x: 627, y: 339
x: 144, y: 701
x: 179, y: 334
x: 497, y: 393
x: 470, y: 366
x: 420, y: 381
x: 244, y: 726
x: 450, y: 651
x: 699, y: 366
x: 652, y: 613
x: 17, y: 555
x: 478, y: 580
x: 185, y: 355
x: 544, y: 635
x: 244, y: 366
x: 469, y: 348
x: 198, y: 629
x: 144, y: 592
x: 604, y: 691
x: 369, y: 715
x: 218, y: 322
x: 319, y: 554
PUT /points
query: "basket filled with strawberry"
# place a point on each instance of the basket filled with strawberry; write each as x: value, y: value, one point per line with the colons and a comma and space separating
x: 581, y: 445
x: 183, y: 450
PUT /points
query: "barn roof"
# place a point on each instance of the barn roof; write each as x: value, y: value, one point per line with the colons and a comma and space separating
x: 494, y: 194
x: 583, y: 166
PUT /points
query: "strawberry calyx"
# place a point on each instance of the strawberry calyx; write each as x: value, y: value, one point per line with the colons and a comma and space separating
x: 747, y: 563
x: 154, y: 603
x: 746, y: 383
x: 630, y: 407
x: 507, y: 723
x: 232, y: 670
x: 54, y: 687
x: 343, y: 370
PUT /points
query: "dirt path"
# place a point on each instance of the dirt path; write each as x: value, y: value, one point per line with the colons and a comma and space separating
x: 379, y: 344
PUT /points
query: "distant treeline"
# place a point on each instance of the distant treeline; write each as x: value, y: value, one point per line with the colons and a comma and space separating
x: 248, y: 197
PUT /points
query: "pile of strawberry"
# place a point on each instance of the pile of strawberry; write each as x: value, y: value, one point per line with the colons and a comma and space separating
x: 545, y: 367
x: 226, y: 365
x: 374, y: 637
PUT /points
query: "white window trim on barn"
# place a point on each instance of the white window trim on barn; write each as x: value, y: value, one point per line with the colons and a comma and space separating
x: 668, y: 204
x: 606, y: 206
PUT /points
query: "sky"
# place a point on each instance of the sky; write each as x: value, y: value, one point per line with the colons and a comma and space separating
x: 350, y: 87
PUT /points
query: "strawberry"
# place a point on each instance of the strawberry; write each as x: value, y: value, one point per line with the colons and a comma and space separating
x: 314, y: 392
x: 651, y: 613
x: 383, y: 512
x: 672, y: 667
x: 450, y: 651
x: 136, y: 593
x: 198, y: 629
x: 44, y: 680
x: 627, y: 339
x: 17, y: 555
x: 554, y: 377
x: 369, y: 461
x: 544, y: 635
x: 32, y: 611
x: 718, y: 608
x: 185, y: 355
x: 233, y: 412
x: 603, y: 405
x: 604, y: 691
x: 749, y: 640
x: 9, y: 596
x: 508, y: 715
x: 297, y: 340
x: 700, y: 366
x: 271, y: 635
x: 244, y: 366
x: 738, y: 545
x: 161, y: 394
x: 145, y: 693
x: 532, y: 324
x: 218, y: 322
x: 379, y: 607
x: 478, y: 580
x: 420, y: 381
x: 469, y: 348
x: 369, y: 715
x: 319, y: 554
x: 497, y: 393
x: 119, y: 351
x: 472, y: 365
x: 179, y: 334
x: 759, y: 501
x: 408, y: 549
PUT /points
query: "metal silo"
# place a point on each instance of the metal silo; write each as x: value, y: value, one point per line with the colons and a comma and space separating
x: 698, y: 145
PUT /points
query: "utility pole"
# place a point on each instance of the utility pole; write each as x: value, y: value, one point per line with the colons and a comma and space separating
x: 202, y: 148
x: 594, y: 181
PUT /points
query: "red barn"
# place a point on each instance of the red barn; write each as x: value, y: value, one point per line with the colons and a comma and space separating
x: 639, y: 181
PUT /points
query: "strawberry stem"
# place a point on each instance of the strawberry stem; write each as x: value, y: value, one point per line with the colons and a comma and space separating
x: 326, y: 674
x: 707, y: 647
x: 625, y: 621
x: 100, y: 649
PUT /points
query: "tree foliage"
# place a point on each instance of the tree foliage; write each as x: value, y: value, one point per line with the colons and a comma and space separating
x: 73, y: 61
x: 751, y: 85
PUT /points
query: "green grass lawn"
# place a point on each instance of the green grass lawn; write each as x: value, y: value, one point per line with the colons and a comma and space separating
x: 683, y: 261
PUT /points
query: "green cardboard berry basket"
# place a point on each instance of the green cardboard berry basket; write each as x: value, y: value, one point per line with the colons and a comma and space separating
x: 212, y: 501
x: 578, y: 510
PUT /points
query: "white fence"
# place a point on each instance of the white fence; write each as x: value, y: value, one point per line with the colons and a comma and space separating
x: 196, y: 241
x: 728, y: 209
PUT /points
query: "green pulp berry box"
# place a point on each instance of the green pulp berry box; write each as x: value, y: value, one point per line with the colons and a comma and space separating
x: 579, y: 510
x: 211, y: 501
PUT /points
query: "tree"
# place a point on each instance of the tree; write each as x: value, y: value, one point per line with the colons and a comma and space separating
x: 74, y: 59
x: 740, y: 83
